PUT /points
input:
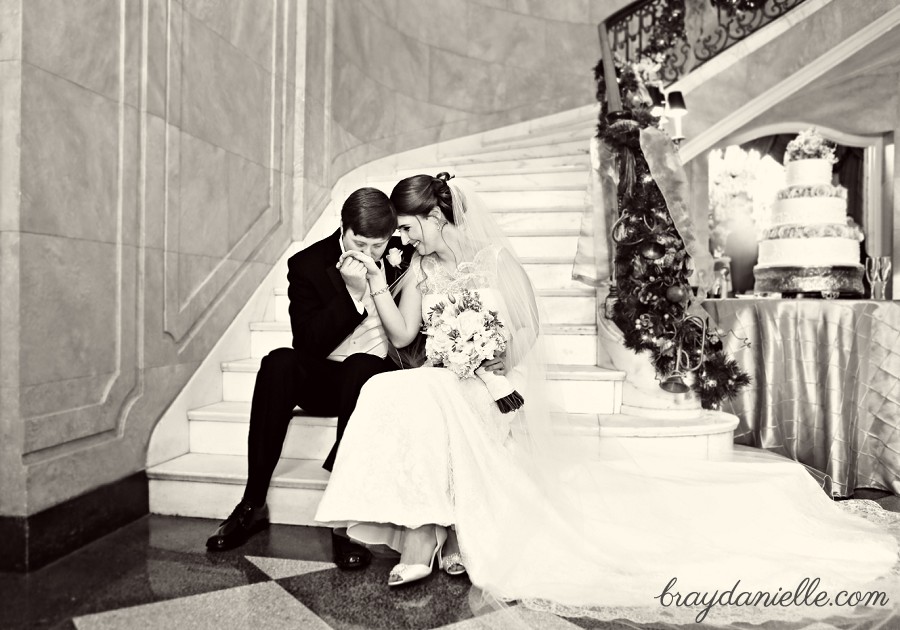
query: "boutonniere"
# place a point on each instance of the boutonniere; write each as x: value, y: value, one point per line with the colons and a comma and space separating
x: 398, y: 255
x: 394, y: 257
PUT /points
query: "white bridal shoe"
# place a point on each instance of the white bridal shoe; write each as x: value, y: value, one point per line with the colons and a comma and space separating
x: 452, y: 564
x: 406, y: 573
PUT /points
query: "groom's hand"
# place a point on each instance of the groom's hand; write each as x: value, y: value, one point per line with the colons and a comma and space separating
x: 372, y: 269
x: 354, y: 274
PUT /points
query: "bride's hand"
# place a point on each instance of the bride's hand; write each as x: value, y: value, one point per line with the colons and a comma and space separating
x: 497, y: 365
x: 373, y: 271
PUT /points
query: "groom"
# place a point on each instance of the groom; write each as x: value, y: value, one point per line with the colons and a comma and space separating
x: 339, y: 343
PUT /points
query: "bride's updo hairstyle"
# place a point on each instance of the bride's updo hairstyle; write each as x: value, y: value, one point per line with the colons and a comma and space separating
x: 417, y: 195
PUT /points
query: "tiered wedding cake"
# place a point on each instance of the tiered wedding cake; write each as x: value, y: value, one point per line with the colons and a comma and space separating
x: 811, y: 246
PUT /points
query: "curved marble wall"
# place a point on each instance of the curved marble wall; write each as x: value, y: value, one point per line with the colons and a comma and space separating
x: 407, y: 73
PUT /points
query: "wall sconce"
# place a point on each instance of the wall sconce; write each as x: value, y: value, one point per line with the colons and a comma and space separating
x: 676, y: 109
x: 658, y: 101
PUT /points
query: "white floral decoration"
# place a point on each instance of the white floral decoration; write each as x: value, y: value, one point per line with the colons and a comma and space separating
x: 810, y: 145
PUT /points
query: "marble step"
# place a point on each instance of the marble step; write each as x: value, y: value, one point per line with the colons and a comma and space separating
x: 556, y: 243
x: 578, y: 162
x: 546, y: 137
x: 544, y: 276
x: 583, y: 124
x: 505, y: 200
x: 564, y: 343
x: 210, y: 485
x: 567, y: 219
x: 221, y: 428
x: 575, y: 305
x: 708, y: 435
x: 583, y: 386
x: 582, y: 116
x: 571, y: 344
x: 545, y: 273
x: 552, y: 275
x: 541, y: 180
x: 493, y: 154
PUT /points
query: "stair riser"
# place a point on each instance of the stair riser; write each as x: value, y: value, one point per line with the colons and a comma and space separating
x: 238, y: 386
x: 303, y: 441
x: 282, y: 304
x: 552, y: 276
x: 501, y: 166
x: 507, y: 200
x: 568, y: 349
x: 539, y: 220
x: 512, y: 182
x: 693, y: 447
x: 569, y: 310
x: 545, y: 246
x: 586, y: 396
x: 543, y: 276
x: 571, y: 349
x: 577, y: 147
x: 583, y: 125
x: 580, y: 133
x: 297, y: 506
x: 290, y: 506
x: 262, y: 342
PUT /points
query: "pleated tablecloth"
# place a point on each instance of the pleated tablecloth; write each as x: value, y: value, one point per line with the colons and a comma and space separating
x: 826, y: 384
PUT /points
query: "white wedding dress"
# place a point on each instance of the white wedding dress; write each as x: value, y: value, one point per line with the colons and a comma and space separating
x: 426, y: 447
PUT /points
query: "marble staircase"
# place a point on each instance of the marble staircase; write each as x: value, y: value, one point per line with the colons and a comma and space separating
x: 535, y: 182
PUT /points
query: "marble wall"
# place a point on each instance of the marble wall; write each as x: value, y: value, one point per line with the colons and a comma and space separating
x: 146, y: 182
x: 408, y: 73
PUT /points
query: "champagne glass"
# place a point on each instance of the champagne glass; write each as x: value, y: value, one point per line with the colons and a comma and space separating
x: 871, y: 269
x: 884, y: 263
x: 878, y: 271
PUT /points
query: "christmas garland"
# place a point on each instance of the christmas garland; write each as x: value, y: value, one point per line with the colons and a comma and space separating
x: 652, y: 264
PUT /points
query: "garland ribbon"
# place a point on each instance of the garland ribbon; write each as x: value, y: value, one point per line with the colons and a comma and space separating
x: 668, y: 173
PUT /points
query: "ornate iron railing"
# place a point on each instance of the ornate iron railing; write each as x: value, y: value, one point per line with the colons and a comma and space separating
x: 687, y: 38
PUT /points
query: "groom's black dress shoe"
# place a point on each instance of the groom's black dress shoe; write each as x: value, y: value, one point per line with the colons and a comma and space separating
x: 234, y: 531
x: 348, y: 555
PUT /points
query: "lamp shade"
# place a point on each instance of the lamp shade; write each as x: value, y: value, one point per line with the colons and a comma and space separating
x: 676, y: 103
x: 658, y: 100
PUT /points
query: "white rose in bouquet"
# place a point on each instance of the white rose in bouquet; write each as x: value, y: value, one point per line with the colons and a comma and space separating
x: 469, y: 323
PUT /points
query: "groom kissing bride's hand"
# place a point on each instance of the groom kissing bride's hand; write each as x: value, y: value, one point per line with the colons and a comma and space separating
x: 339, y: 343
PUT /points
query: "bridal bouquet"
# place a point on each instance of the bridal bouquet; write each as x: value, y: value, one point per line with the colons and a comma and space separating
x: 461, y: 335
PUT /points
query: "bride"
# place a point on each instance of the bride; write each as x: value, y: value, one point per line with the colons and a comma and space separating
x: 432, y: 467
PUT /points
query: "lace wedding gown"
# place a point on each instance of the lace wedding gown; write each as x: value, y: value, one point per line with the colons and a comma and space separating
x: 426, y: 447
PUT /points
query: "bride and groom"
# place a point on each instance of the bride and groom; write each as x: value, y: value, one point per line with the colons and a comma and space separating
x: 431, y: 466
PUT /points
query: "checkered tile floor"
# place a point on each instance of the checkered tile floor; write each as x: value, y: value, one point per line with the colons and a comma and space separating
x: 156, y: 573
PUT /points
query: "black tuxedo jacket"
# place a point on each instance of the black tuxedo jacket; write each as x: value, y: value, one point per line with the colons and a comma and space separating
x: 322, y: 311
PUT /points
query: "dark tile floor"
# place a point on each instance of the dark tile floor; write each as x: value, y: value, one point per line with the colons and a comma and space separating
x: 156, y: 573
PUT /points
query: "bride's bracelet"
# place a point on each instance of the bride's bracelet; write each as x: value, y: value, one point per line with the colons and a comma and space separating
x: 380, y: 291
